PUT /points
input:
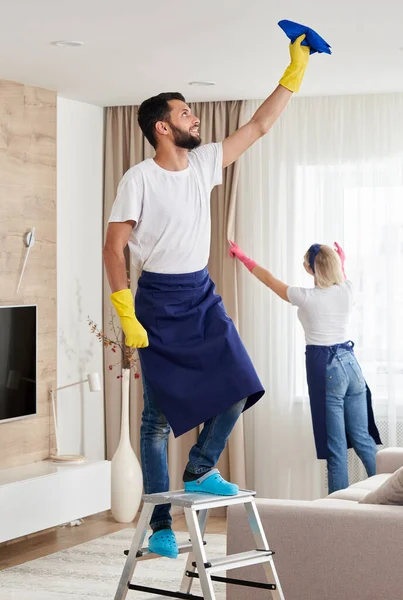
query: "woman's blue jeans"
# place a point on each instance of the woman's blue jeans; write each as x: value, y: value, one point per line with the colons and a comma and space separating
x: 346, y: 411
x: 154, y: 444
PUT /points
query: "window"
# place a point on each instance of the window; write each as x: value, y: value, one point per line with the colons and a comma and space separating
x: 362, y: 208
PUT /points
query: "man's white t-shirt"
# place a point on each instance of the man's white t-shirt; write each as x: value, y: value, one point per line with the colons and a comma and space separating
x: 324, y: 313
x: 171, y: 210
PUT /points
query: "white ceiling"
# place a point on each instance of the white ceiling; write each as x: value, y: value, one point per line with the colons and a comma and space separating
x: 134, y: 49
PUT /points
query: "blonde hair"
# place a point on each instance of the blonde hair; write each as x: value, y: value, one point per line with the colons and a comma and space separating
x: 328, y: 269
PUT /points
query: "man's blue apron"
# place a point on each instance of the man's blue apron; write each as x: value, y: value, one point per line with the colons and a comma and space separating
x: 317, y: 358
x: 196, y: 364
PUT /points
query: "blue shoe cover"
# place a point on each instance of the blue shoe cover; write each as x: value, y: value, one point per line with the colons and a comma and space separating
x: 212, y: 483
x: 163, y: 542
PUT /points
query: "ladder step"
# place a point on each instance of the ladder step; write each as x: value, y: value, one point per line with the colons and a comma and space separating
x: 198, y: 500
x: 235, y: 561
x: 145, y: 554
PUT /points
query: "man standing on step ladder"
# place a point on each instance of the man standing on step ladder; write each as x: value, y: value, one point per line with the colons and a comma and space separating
x: 195, y: 368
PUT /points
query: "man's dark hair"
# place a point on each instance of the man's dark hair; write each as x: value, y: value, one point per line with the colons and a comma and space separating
x: 153, y: 110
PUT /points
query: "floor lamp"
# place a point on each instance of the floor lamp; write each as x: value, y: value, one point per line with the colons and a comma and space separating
x: 95, y: 386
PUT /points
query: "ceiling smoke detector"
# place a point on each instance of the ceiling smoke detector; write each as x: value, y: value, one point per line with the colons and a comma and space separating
x: 68, y: 43
x: 202, y: 83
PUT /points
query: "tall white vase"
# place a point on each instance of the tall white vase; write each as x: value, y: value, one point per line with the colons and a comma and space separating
x: 127, y: 479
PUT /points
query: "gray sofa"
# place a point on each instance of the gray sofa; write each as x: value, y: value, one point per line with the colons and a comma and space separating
x: 328, y: 549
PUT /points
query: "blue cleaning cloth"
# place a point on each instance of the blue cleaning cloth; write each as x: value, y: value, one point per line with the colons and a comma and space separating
x: 312, y: 39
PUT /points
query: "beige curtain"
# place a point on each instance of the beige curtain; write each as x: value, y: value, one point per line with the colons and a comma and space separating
x: 124, y: 147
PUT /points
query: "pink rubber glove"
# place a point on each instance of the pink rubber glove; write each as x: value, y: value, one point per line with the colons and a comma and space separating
x: 236, y: 252
x: 342, y: 256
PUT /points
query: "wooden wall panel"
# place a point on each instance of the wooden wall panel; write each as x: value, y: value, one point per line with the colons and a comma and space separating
x: 28, y: 199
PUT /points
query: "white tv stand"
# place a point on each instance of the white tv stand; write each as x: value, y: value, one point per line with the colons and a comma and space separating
x: 44, y: 494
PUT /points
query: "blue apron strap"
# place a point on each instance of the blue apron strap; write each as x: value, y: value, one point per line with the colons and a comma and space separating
x: 332, y: 354
x: 349, y: 346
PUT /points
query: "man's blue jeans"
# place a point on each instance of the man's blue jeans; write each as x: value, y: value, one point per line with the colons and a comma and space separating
x: 202, y: 457
x: 346, y: 410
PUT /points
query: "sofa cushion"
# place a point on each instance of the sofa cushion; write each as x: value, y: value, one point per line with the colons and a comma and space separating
x: 390, y: 492
x: 372, y: 483
x: 358, y: 491
x: 350, y: 493
x: 330, y: 502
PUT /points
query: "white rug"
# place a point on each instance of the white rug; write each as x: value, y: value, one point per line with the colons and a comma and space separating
x: 91, y: 571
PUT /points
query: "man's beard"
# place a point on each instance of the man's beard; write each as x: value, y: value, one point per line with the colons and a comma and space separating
x: 184, y: 139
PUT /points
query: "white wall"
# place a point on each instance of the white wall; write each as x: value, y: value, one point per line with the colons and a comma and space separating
x: 79, y: 274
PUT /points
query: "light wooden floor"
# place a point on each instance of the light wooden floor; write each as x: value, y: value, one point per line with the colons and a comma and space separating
x: 47, y: 542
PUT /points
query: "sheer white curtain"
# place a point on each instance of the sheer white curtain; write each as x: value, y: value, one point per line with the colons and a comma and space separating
x: 331, y: 169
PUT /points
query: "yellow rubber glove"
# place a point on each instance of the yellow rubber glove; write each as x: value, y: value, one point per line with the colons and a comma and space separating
x: 135, y: 334
x: 295, y: 72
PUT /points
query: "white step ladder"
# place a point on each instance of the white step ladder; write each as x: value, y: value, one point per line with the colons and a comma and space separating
x: 196, y: 507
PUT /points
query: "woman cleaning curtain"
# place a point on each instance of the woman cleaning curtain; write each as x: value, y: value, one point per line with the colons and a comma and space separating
x: 340, y: 399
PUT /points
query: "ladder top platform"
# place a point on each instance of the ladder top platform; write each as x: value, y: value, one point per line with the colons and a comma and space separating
x: 194, y: 499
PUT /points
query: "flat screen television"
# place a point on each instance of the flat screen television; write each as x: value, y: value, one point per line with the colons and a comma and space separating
x: 18, y: 371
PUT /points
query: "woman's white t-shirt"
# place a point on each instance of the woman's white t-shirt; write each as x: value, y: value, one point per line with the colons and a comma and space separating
x: 171, y: 210
x: 324, y: 313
